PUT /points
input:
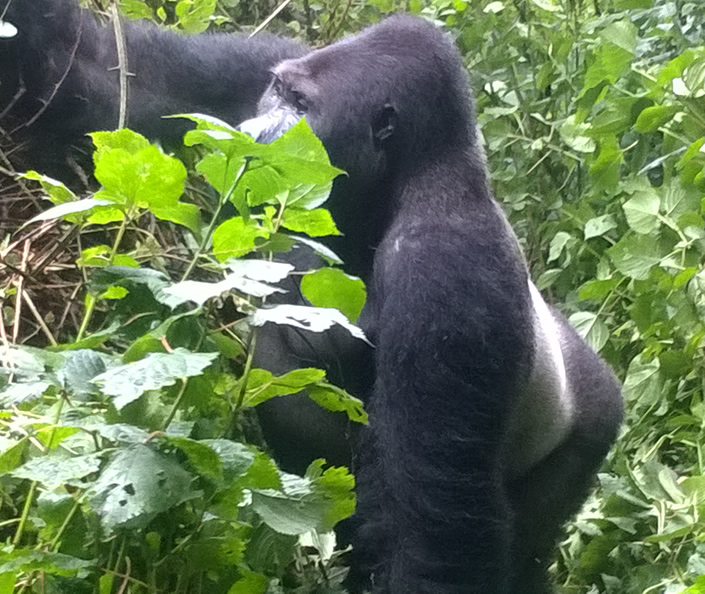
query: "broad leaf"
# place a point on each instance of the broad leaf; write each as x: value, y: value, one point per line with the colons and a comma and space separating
x: 128, y: 382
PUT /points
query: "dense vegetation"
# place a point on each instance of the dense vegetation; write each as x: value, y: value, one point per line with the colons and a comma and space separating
x: 129, y: 457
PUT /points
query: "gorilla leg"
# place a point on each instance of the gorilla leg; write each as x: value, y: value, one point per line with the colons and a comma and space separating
x: 551, y: 492
x: 542, y: 502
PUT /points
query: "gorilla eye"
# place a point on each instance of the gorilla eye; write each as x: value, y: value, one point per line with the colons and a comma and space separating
x: 299, y: 101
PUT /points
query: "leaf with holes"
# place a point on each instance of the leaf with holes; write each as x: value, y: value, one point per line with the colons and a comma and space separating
x: 136, y: 485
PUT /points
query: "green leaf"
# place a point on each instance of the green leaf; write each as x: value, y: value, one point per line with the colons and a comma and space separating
x: 597, y: 289
x: 53, y: 472
x: 80, y: 368
x: 632, y: 4
x: 236, y: 458
x: 128, y: 382
x: 643, y: 383
x: 294, y: 510
x: 154, y: 280
x: 181, y: 213
x: 124, y: 139
x: 134, y: 9
x: 12, y: 456
x: 222, y: 170
x: 591, y: 328
x: 19, y: 392
x: 558, y: 244
x: 137, y: 484
x: 604, y: 171
x: 314, y: 319
x: 250, y: 583
x: 319, y: 249
x: 331, y: 287
x: 263, y: 385
x: 68, y: 208
x: 642, y: 211
x: 32, y: 561
x: 338, y: 400
x: 652, y: 118
x: 611, y: 61
x: 98, y: 256
x: 236, y: 237
x: 337, y: 484
x: 624, y: 34
x: 315, y: 223
x: 135, y: 173
x: 574, y: 134
x: 119, y: 433
x: 635, y: 256
x: 246, y: 278
x: 204, y: 460
x: 56, y: 191
x: 598, y: 226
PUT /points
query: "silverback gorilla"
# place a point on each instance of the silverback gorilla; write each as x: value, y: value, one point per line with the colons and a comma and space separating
x: 489, y: 414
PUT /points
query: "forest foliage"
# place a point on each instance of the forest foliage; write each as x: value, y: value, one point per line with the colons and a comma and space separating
x: 129, y: 457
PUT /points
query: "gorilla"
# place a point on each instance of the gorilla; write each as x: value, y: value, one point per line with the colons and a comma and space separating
x: 489, y: 415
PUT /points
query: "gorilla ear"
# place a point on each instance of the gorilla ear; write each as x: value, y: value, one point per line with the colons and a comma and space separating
x: 384, y: 124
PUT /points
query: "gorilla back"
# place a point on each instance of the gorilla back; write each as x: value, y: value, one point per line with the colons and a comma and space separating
x: 59, y: 80
x: 489, y: 414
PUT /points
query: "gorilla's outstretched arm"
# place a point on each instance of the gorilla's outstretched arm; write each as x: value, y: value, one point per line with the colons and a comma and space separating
x: 60, y: 79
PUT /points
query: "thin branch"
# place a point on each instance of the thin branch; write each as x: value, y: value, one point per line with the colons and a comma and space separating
x: 271, y: 17
x: 122, y: 66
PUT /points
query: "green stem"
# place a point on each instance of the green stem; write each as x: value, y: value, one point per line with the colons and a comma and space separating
x: 214, y: 220
x: 33, y: 487
x: 25, y: 514
x: 91, y: 300
x: 246, y: 372
x: 55, y: 542
x: 177, y: 403
x: 184, y: 385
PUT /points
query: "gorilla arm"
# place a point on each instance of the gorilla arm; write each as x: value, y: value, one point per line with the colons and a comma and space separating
x: 60, y: 78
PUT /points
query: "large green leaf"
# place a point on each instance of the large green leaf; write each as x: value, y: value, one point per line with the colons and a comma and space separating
x: 331, y: 287
x: 137, y: 484
x: 157, y: 370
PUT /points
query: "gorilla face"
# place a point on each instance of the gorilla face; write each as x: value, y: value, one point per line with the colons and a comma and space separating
x: 378, y: 100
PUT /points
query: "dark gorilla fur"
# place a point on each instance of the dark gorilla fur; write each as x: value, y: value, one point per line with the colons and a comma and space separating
x: 489, y: 415
x: 60, y: 80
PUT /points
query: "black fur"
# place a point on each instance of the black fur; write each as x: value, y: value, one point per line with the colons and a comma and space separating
x: 440, y: 507
x: 59, y: 80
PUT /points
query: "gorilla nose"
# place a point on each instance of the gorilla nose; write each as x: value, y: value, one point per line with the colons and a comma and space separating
x: 269, y: 126
x: 257, y: 127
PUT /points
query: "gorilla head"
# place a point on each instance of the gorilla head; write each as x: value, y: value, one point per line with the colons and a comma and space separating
x: 386, y: 103
x: 398, y: 85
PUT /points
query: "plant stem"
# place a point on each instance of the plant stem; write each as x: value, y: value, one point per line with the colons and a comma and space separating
x: 214, y: 220
x: 177, y: 403
x: 33, y: 487
x: 91, y: 300
x: 246, y: 372
x: 25, y: 514
x: 184, y: 385
x: 55, y: 542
